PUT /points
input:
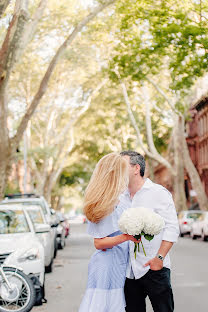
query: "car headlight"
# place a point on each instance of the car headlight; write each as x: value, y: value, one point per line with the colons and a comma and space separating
x: 30, y: 254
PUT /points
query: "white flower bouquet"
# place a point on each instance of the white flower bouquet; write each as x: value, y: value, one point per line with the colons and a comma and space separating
x: 140, y: 222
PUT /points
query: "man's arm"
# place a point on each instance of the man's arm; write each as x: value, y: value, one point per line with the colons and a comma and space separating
x: 155, y: 263
x: 165, y: 209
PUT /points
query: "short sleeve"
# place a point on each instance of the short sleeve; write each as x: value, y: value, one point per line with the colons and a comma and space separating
x: 106, y: 226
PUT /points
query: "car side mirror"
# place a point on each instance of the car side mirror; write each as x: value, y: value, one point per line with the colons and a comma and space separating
x: 42, y: 228
x: 53, y: 212
x: 53, y: 225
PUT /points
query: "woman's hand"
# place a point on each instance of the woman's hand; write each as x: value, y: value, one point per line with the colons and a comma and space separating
x: 131, y: 238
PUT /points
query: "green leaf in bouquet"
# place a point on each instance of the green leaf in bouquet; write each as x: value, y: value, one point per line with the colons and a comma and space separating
x: 148, y: 237
x: 142, y: 233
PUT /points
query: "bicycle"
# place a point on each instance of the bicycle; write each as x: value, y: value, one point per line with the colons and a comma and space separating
x: 17, y: 292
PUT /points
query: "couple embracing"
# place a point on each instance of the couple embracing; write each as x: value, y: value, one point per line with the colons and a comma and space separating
x: 117, y: 280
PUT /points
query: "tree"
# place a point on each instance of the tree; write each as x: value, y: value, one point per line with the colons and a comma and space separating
x: 167, y: 38
x: 53, y: 133
x: 18, y: 35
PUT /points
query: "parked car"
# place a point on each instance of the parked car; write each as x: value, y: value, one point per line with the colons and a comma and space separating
x: 20, y: 245
x: 61, y: 231
x: 65, y: 222
x: 77, y: 219
x: 67, y: 226
x: 36, y: 200
x: 200, y: 227
x: 38, y: 218
x: 186, y: 219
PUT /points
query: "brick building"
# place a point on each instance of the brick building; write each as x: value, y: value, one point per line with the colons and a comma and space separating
x: 197, y: 139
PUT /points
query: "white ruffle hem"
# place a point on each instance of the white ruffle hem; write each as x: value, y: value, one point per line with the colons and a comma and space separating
x: 103, y: 300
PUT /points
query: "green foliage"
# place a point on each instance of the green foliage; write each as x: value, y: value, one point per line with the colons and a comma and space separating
x: 162, y: 34
x: 148, y: 237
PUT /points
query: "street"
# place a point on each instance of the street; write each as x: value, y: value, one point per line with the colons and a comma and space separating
x: 66, y: 285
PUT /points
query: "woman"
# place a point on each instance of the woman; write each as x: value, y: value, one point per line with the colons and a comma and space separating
x: 107, y: 267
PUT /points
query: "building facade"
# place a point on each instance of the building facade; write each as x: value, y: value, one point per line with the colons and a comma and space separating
x: 197, y: 139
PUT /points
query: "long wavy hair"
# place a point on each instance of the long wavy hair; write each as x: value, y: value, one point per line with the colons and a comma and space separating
x: 108, y: 181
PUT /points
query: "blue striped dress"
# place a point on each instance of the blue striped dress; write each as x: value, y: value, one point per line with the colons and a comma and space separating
x: 106, y: 270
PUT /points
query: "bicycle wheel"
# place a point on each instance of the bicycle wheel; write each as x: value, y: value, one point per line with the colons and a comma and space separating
x: 22, y: 296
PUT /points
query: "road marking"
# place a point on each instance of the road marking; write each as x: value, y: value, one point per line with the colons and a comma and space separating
x: 193, y: 284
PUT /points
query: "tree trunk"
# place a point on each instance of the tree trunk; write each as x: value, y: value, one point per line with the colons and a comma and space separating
x: 4, y: 144
x: 151, y: 169
x: 193, y: 173
x: 179, y: 188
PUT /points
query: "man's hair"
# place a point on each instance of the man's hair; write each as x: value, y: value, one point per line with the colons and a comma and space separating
x: 135, y: 158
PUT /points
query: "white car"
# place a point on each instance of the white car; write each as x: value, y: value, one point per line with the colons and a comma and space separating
x: 186, y: 218
x: 19, y: 244
x: 77, y: 219
x: 200, y: 227
x: 38, y: 218
x: 32, y: 199
x: 61, y: 231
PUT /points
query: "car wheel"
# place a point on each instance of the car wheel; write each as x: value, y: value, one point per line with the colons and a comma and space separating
x: 62, y: 244
x: 55, y: 250
x: 181, y: 235
x: 192, y: 235
x: 49, y: 268
x: 204, y: 237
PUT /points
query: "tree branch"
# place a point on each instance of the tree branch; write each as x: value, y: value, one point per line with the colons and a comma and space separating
x: 12, y: 42
x: 3, y: 6
x: 61, y: 165
x: 31, y: 27
x: 171, y: 105
x: 156, y: 156
x: 81, y: 111
x: 150, y: 140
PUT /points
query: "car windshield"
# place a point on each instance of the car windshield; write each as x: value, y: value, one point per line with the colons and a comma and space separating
x: 13, y: 221
x: 28, y: 203
x: 35, y: 216
x: 194, y: 215
x: 36, y: 203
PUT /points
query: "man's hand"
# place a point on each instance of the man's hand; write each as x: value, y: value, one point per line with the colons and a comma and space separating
x: 155, y: 264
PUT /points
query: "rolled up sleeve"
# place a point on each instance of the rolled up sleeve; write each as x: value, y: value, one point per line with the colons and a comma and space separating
x: 166, y: 209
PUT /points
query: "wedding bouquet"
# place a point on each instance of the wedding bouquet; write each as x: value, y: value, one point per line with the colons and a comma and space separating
x: 140, y: 222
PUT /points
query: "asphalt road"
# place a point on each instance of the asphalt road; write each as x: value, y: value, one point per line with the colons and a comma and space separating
x: 66, y: 285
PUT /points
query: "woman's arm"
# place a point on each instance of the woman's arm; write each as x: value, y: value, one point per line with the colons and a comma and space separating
x: 109, y: 242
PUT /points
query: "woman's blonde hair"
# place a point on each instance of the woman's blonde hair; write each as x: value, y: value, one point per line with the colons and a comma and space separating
x: 108, y: 181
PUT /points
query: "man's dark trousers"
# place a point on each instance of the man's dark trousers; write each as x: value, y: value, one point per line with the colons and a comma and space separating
x: 154, y: 284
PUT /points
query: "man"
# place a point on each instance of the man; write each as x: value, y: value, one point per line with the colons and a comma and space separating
x: 149, y: 275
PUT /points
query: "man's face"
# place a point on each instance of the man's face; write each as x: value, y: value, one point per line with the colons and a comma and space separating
x: 134, y: 170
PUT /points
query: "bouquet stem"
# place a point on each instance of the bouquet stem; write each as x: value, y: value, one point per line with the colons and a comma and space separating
x: 143, y: 249
x: 135, y: 249
x: 136, y: 245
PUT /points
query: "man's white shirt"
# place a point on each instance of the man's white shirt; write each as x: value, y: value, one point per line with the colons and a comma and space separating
x: 158, y: 199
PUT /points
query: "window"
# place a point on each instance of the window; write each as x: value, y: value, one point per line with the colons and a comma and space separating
x: 35, y: 216
x: 193, y: 215
x: 36, y: 203
x: 13, y: 221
